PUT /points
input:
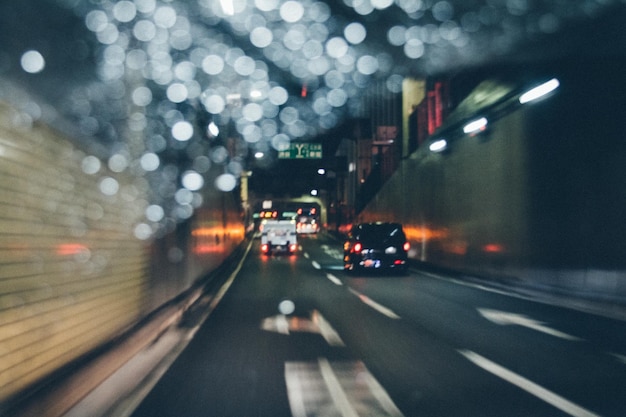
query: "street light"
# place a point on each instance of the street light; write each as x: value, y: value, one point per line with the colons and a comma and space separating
x: 438, y: 145
x: 539, y: 91
x: 475, y: 126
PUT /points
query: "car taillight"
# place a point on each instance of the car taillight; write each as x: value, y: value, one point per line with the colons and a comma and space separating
x: 293, y: 247
x: 406, y: 246
x: 358, y: 247
x: 264, y: 247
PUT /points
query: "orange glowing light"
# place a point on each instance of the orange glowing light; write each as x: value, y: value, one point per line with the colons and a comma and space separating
x: 493, y: 248
x: 70, y: 249
x: 206, y: 249
x: 416, y: 233
x: 457, y: 247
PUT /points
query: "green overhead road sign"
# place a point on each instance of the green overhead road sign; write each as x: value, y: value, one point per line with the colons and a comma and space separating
x: 302, y: 151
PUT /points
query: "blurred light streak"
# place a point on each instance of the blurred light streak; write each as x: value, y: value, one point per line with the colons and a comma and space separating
x: 70, y: 249
x: 539, y: 91
x: 207, y: 249
x: 475, y: 126
x: 424, y: 233
x: 456, y: 247
x: 438, y: 145
x: 493, y: 248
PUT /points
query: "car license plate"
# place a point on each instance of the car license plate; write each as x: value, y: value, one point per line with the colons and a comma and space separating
x: 371, y: 263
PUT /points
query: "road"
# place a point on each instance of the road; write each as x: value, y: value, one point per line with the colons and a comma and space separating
x: 295, y: 336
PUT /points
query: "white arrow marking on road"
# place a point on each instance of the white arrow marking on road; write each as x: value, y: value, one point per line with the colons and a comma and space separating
x: 503, y: 318
x: 327, y: 331
x: 315, y: 324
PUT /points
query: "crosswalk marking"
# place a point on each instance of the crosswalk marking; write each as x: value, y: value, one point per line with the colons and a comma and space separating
x: 336, y: 389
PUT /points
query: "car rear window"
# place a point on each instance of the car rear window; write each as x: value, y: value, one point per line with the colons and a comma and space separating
x: 379, y: 233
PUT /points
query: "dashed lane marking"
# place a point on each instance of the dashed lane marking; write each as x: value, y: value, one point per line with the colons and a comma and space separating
x: 334, y: 279
x: 378, y: 307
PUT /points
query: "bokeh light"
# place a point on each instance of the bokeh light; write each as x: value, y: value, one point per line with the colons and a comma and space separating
x: 33, y: 62
x: 264, y: 74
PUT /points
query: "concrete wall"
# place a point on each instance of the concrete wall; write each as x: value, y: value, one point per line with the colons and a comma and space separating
x: 537, y: 200
x: 73, y: 273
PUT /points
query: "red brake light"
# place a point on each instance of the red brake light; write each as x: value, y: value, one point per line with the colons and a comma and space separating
x: 358, y: 247
x: 264, y: 247
x: 406, y: 246
x: 293, y: 247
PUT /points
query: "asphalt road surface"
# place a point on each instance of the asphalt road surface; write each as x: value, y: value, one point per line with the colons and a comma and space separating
x: 295, y: 336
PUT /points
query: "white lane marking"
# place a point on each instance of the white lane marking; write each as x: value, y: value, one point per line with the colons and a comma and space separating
x: 503, y: 318
x: 550, y: 301
x: 224, y: 288
x: 328, y: 332
x: 316, y: 265
x: 278, y: 324
x: 381, y: 395
x: 128, y: 400
x: 282, y: 325
x: 621, y: 358
x: 538, y: 391
x: 340, y: 399
x: 306, y: 255
x: 474, y: 285
x: 334, y: 279
x: 378, y: 307
x: 345, y: 389
x: 295, y: 391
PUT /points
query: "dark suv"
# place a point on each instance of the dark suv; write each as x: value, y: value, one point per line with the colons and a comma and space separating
x: 376, y: 246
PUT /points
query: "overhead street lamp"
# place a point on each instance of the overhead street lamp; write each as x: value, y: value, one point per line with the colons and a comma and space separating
x: 539, y: 91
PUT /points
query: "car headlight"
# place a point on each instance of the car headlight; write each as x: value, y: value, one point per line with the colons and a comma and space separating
x: 391, y: 250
